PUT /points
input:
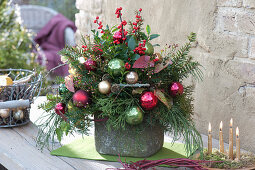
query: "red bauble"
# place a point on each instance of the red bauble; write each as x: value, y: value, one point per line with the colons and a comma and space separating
x: 148, y: 100
x: 175, y: 89
x: 60, y: 108
x: 90, y: 64
x: 81, y: 98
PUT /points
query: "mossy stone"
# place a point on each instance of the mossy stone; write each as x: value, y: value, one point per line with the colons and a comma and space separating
x: 130, y: 142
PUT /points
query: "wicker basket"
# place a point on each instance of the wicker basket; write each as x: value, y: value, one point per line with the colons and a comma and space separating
x: 16, y: 99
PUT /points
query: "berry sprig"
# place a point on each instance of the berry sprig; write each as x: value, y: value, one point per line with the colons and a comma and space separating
x: 100, y: 25
x: 85, y: 48
x: 127, y: 66
x: 141, y: 48
x: 120, y: 36
x: 137, y: 24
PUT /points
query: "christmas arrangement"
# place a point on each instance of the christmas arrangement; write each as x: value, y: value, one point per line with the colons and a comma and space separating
x: 216, y: 159
x: 117, y: 78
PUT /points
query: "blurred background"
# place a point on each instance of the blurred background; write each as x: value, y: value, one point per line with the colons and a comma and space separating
x: 65, y: 7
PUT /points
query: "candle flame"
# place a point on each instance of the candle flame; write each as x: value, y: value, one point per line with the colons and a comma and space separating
x: 231, y: 122
x: 221, y: 126
x: 209, y: 128
x: 237, y: 132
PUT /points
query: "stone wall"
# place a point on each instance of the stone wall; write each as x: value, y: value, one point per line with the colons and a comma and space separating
x: 225, y: 48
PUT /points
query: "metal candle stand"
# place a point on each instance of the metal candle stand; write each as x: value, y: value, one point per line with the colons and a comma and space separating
x: 16, y: 99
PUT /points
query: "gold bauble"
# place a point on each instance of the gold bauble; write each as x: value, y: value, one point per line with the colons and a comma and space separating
x: 5, y: 81
x: 131, y: 77
x: 104, y: 87
x: 4, y: 113
x: 18, y: 115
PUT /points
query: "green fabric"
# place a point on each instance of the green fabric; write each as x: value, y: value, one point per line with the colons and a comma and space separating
x: 85, y: 148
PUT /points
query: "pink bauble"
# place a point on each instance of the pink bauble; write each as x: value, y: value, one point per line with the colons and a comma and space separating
x: 148, y: 100
x: 81, y: 98
x: 175, y: 89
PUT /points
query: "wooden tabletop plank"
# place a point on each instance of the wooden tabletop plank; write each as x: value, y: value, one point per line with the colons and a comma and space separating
x: 21, y: 153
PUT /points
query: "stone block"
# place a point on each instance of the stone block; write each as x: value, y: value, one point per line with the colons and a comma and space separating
x: 229, y: 46
x: 229, y: 3
x: 246, y: 22
x: 252, y: 48
x: 249, y: 3
x: 226, y: 20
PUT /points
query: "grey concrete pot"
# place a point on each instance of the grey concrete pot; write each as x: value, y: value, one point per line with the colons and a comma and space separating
x: 130, y: 142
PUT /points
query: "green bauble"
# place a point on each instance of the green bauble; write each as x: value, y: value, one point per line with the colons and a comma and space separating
x: 116, y: 66
x: 62, y: 89
x: 149, y: 49
x: 134, y: 116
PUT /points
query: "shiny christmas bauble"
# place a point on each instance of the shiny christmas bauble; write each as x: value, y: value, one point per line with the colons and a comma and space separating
x: 104, y: 87
x: 18, y: 115
x: 149, y: 49
x: 60, y: 108
x: 62, y: 89
x: 4, y: 113
x: 90, y: 65
x: 81, y: 98
x: 148, y: 100
x: 134, y: 116
x: 116, y: 66
x: 175, y: 89
x: 131, y: 77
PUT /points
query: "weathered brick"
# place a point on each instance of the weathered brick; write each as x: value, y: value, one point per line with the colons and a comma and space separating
x: 249, y: 3
x: 252, y: 48
x: 246, y: 22
x: 230, y: 45
x: 229, y: 3
x: 226, y: 20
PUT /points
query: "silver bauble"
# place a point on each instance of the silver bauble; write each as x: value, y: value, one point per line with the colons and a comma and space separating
x: 18, y: 115
x: 131, y: 77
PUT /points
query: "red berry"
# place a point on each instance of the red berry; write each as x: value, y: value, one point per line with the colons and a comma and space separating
x: 124, y: 22
x: 140, y: 9
x: 97, y: 17
x: 95, y: 21
x: 100, y: 23
x: 120, y: 8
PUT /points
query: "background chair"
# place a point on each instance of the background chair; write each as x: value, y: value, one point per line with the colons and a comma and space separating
x: 35, y: 17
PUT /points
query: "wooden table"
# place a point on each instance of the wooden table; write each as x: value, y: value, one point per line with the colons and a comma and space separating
x: 18, y: 151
